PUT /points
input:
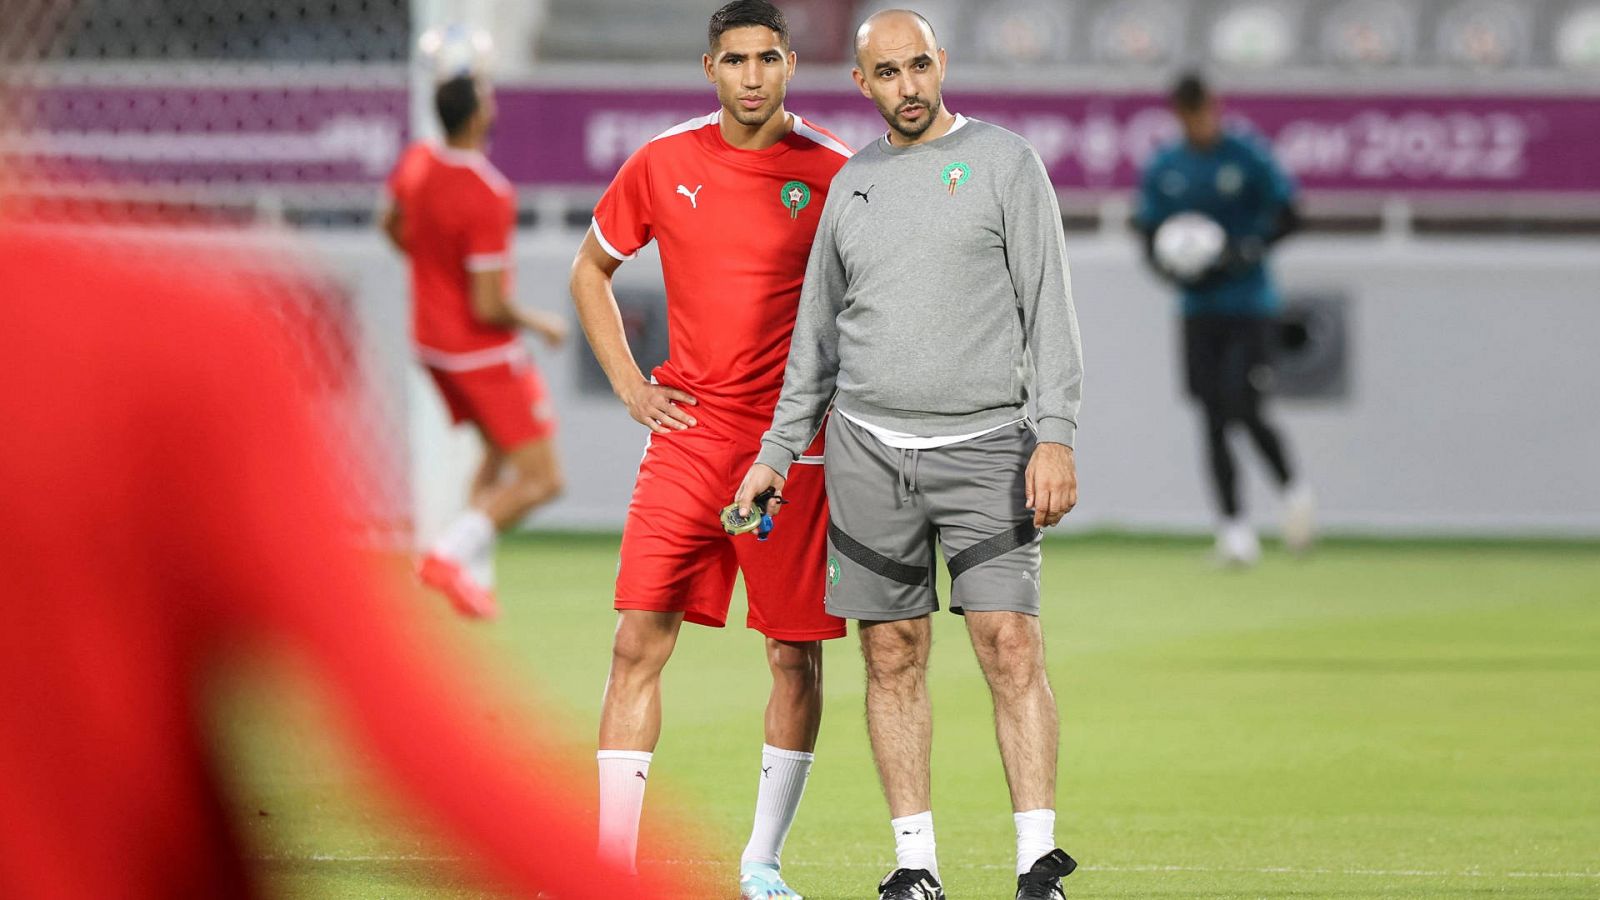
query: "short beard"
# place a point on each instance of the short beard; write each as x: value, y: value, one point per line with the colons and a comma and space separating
x: 752, y: 118
x: 893, y: 118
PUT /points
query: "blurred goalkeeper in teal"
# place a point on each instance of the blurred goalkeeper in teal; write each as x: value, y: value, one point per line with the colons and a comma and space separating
x: 1229, y: 302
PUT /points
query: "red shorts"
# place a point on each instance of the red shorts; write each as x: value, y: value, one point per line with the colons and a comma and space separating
x: 677, y: 558
x: 508, y: 401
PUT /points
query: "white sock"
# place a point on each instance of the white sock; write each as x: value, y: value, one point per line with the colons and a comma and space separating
x: 466, y: 537
x: 1036, y: 836
x: 913, y: 843
x: 783, y: 780
x: 623, y: 775
x: 481, y: 565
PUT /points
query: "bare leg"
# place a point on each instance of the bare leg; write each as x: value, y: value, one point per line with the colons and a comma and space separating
x: 487, y: 477
x: 535, y: 479
x: 1010, y: 648
x: 899, y: 717
x: 794, y: 709
x: 630, y: 714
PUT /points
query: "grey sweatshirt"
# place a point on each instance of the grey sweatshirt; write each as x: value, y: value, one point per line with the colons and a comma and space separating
x: 936, y: 299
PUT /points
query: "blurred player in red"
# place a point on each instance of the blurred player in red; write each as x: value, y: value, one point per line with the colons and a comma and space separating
x: 169, y: 506
x: 732, y: 199
x: 453, y: 214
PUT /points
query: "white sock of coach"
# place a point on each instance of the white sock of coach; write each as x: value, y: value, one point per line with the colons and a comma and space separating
x: 1036, y: 836
x: 623, y: 776
x: 783, y: 780
x: 913, y: 843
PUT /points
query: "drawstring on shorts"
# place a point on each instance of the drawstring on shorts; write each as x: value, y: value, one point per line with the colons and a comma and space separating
x: 907, y: 476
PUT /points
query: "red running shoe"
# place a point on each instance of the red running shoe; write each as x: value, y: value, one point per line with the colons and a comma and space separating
x: 450, y: 578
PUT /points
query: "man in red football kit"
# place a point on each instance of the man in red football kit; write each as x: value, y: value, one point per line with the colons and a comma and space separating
x: 170, y: 505
x: 732, y: 200
x: 453, y: 215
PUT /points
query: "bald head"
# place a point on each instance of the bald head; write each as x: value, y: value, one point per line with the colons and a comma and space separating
x: 890, y: 32
x: 900, y: 67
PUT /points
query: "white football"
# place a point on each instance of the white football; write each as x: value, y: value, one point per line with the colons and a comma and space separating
x: 1189, y: 243
x: 454, y: 50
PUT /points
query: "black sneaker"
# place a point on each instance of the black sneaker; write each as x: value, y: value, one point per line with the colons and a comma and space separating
x: 910, y: 884
x: 1043, y: 881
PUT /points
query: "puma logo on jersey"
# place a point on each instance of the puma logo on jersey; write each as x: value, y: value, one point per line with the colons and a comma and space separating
x: 693, y: 202
x: 863, y: 195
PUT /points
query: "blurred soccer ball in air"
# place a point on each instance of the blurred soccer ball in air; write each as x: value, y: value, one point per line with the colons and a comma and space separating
x: 451, y: 51
x: 1189, y: 243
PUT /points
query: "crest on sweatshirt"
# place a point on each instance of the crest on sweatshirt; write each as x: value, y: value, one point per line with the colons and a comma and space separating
x: 955, y: 175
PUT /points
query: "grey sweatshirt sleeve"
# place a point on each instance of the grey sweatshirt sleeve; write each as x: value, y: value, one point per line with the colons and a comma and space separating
x: 1036, y: 254
x: 813, y: 367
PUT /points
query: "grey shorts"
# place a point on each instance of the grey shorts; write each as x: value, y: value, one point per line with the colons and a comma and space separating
x: 888, y: 508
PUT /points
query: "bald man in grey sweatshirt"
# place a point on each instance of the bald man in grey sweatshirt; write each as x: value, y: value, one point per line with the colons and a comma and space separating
x: 936, y: 308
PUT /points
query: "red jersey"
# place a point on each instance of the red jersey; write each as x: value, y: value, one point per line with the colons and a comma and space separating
x: 457, y: 214
x: 735, y: 229
x: 169, y: 505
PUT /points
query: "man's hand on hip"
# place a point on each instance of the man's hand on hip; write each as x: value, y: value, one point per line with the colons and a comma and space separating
x: 657, y: 407
x: 758, y: 479
x: 1052, y: 481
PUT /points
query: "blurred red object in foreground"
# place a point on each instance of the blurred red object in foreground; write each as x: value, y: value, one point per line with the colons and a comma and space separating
x: 167, y: 501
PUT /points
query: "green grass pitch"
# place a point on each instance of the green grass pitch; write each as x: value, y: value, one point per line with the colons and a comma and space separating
x: 1404, y: 719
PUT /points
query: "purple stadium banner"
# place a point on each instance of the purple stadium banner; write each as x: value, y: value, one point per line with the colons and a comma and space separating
x: 1096, y: 142
x: 249, y: 136
x: 308, y: 136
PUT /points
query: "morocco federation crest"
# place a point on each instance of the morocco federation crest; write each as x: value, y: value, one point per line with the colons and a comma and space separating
x: 795, y: 196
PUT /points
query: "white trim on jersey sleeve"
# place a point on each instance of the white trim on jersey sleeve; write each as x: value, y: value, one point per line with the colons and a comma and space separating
x: 488, y: 262
x: 492, y: 177
x: 694, y: 124
x: 605, y: 245
x: 817, y: 136
x: 478, y: 163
